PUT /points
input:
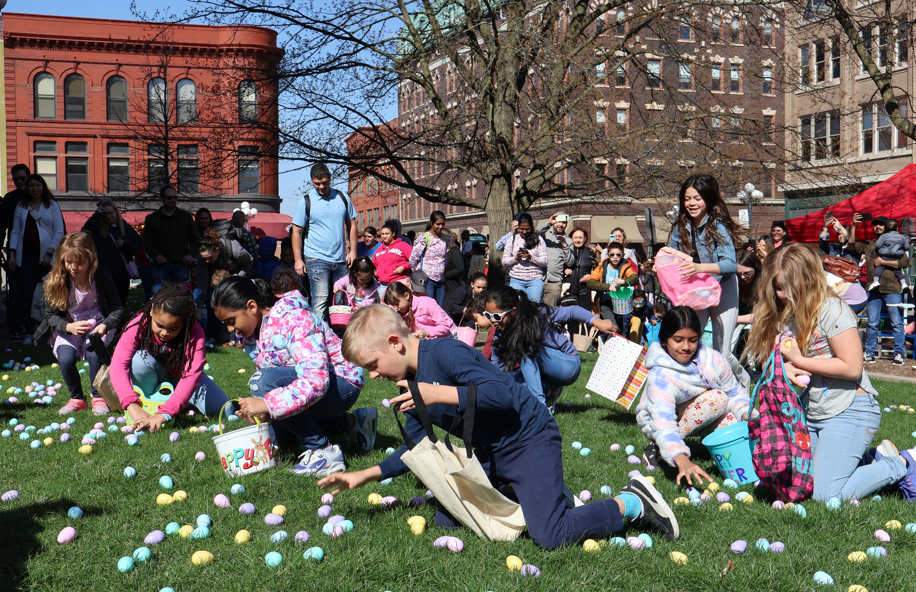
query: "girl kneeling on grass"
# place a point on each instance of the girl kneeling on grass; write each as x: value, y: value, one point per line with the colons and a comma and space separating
x: 360, y: 284
x: 690, y: 388
x: 528, y: 335
x: 818, y: 337
x: 161, y: 355
x: 82, y: 299
x: 422, y: 314
x: 303, y: 385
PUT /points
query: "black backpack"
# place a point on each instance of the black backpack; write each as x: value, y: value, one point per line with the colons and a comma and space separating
x: 308, y: 211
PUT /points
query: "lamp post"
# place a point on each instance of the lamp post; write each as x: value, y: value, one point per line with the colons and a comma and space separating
x: 749, y: 194
x: 248, y: 211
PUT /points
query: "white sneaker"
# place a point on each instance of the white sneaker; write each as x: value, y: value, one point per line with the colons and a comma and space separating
x: 873, y: 285
x: 904, y: 285
x: 321, y: 462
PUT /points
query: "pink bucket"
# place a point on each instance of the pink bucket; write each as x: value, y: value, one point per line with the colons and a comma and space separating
x: 468, y: 335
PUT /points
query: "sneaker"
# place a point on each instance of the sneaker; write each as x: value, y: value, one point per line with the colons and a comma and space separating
x: 650, y: 456
x: 28, y: 340
x: 903, y: 285
x: 551, y: 396
x: 908, y: 483
x: 898, y: 360
x: 366, y: 427
x: 72, y: 406
x: 873, y: 285
x: 886, y: 448
x: 321, y: 462
x: 572, y: 500
x: 870, y: 359
x: 656, y: 514
x: 99, y: 406
x: 16, y: 337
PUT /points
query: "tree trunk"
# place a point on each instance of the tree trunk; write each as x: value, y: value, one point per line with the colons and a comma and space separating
x: 499, y: 217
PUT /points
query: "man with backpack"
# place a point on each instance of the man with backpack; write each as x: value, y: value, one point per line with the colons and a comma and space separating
x: 324, y: 238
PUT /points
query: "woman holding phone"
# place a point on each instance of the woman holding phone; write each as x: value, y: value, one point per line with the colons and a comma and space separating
x: 525, y: 259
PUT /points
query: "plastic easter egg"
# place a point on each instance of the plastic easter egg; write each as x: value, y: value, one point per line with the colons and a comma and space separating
x: 125, y: 564
x: 337, y: 531
x: 454, y: 544
x: 336, y: 519
x: 278, y: 537
x: 35, y: 443
x: 164, y: 499
x: 440, y: 542
x: 389, y: 451
x: 415, y: 520
x: 876, y: 552
x: 242, y: 537
x: 247, y: 508
x: 142, y: 554
x: 327, y: 499
x: 636, y: 543
x: 730, y: 484
x: 777, y: 547
x: 279, y: 510
x: 272, y: 559
x: 65, y: 437
x: 606, y: 490
x: 892, y: 525
x: 876, y: 498
x: 6, y: 433
x: 577, y: 445
x: 88, y: 441
x: 778, y: 505
x: 166, y: 482
x: 882, y: 536
x: 616, y: 447
x: 800, y: 510
x: 74, y: 513
x: 762, y: 545
x: 741, y: 495
x: 132, y: 440
x: 221, y: 501
x: 273, y: 519
x: 789, y: 506
x: 618, y: 542
x: 314, y: 554
x: 833, y: 503
x: 186, y: 531
x: 237, y: 489
x: 328, y: 529
x: 723, y: 497
x: 856, y: 557
x: 172, y: 528
x: 705, y: 497
x: 386, y: 481
x: 301, y: 537
x: 646, y: 539
x: 747, y: 500
x: 585, y: 451
x: 201, y: 557
x: 389, y: 501
x: 681, y: 501
x: 200, y: 457
x: 174, y: 436
x: 204, y: 520
x: 823, y: 578
x: 726, y: 507
x: 530, y: 571
x: 739, y: 547
x: 374, y: 500
x: 325, y: 511
x: 678, y: 557
x: 66, y: 535
x: 180, y: 496
x: 857, y: 588
x: 417, y: 501
x: 630, y: 449
x: 591, y: 546
x: 85, y: 449
x: 911, y: 527
x: 346, y: 525
x: 165, y: 458
x: 154, y: 538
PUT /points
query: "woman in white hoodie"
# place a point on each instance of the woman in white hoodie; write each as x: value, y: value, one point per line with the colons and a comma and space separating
x: 38, y: 227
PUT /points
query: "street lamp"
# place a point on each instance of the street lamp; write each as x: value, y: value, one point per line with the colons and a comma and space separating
x: 248, y: 211
x: 749, y: 194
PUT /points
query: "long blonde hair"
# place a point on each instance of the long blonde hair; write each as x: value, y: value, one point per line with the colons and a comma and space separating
x: 77, y: 246
x: 103, y: 227
x: 806, y: 294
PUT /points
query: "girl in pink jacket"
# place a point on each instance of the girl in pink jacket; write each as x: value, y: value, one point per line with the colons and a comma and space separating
x: 423, y: 315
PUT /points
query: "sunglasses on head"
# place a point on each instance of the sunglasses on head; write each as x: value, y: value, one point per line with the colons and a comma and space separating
x: 496, y: 317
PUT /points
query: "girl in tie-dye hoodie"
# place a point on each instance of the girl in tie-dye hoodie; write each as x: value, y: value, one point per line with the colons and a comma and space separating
x: 303, y: 385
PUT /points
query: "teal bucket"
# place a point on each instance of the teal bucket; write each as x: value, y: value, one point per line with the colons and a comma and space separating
x: 730, y: 447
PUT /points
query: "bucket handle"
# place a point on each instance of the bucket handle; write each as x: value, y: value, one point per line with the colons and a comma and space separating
x: 219, y: 418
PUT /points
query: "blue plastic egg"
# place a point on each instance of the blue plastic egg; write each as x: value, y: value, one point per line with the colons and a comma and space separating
x: 71, y: 420
x: 125, y: 564
x: 577, y: 445
x: 204, y: 520
x: 314, y: 554
x: 386, y: 481
x: 585, y: 451
x: 278, y: 537
x: 130, y: 472
x: 15, y: 421
x: 606, y: 490
x: 165, y: 458
x: 74, y: 513
x: 35, y: 444
x: 201, y: 532
x: 237, y: 489
x: 630, y: 449
x: 142, y: 554
x: 132, y: 440
x: 6, y: 433
x: 273, y: 559
x: 172, y: 528
x: 166, y: 482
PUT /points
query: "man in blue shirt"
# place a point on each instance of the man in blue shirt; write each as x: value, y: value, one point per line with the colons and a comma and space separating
x: 324, y: 238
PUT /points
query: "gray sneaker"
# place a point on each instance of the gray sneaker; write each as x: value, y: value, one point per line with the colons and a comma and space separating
x: 898, y: 360
x: 321, y: 462
x: 366, y: 427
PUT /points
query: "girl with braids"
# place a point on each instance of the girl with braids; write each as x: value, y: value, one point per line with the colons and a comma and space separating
x: 82, y: 300
x: 303, y: 385
x: 162, y: 349
x: 528, y: 336
x: 360, y: 284
x: 423, y: 315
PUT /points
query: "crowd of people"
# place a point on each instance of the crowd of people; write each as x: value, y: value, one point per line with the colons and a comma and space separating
x: 338, y: 304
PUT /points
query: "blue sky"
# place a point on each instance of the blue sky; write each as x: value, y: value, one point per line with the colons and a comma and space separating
x: 290, y: 182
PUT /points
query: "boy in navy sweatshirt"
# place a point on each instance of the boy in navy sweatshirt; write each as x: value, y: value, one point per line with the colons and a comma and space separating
x: 515, y: 438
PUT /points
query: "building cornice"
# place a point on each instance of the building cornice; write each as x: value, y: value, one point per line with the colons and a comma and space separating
x: 13, y: 40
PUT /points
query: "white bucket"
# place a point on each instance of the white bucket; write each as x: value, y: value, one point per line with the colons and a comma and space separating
x: 245, y: 450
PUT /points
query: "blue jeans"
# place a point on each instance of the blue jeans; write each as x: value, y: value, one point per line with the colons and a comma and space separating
x: 875, y: 301
x: 67, y: 358
x: 148, y: 373
x: 857, y: 308
x: 310, y: 428
x: 436, y: 291
x: 147, y: 280
x: 533, y: 288
x: 837, y: 447
x: 549, y: 370
x: 621, y: 320
x: 322, y: 275
x: 170, y: 272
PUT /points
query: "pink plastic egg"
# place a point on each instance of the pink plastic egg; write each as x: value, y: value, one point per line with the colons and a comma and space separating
x: 127, y: 429
x: 99, y: 426
x: 87, y: 442
x: 327, y: 499
x: 778, y: 505
x: 200, y: 457
x: 454, y: 544
x: 803, y: 380
x: 338, y: 531
x: 66, y: 535
x: 221, y: 501
x: 882, y: 536
x: 65, y: 427
x: 389, y: 500
x: 585, y: 495
x: 615, y: 447
x: 636, y: 543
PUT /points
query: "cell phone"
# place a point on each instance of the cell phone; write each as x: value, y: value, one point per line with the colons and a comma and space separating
x: 562, y: 218
x: 866, y: 217
x: 829, y: 216
x: 523, y: 251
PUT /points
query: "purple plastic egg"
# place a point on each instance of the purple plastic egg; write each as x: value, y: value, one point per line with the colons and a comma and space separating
x: 273, y: 519
x: 585, y: 495
x: 324, y: 511
x: 386, y: 403
x: 327, y: 499
x: 650, y: 468
x: 247, y: 508
x: 335, y: 519
x: 739, y: 547
x: 636, y: 543
x: 173, y: 437
x: 417, y: 501
x: 66, y: 535
x: 111, y: 419
x: 882, y: 536
x: 454, y: 544
x: 121, y: 419
x: 127, y: 429
x: 634, y: 474
x: 530, y: 571
x: 615, y: 447
x: 302, y: 537
x: 221, y: 501
x: 778, y: 505
x: 723, y: 497
x: 19, y: 428
x: 9, y: 495
x: 200, y: 457
x: 389, y: 500
x: 777, y: 547
x: 440, y: 542
x: 154, y: 538
x: 634, y: 460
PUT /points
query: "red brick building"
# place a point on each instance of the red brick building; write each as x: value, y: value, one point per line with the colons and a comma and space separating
x: 374, y: 200
x: 119, y: 108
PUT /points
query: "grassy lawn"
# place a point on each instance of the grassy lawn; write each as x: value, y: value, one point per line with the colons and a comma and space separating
x: 380, y: 553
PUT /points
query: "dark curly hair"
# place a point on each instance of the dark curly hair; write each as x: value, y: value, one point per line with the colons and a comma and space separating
x: 179, y: 303
x: 523, y: 335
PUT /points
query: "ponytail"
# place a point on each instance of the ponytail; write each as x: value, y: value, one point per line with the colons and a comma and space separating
x: 523, y: 335
x: 234, y: 292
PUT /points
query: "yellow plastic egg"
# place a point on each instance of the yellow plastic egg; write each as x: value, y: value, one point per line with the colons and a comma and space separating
x: 789, y: 506
x: 85, y: 449
x: 193, y: 430
x: 681, y: 501
x: 418, y: 527
x: 180, y: 495
x: 726, y: 507
x: 10, y: 391
x: 49, y: 441
x: 279, y: 510
x: 6, y: 377
x: 54, y: 365
x: 857, y: 556
x: 590, y: 546
x: 650, y: 479
x: 891, y: 524
x: 241, y: 370
x: 748, y: 499
x: 514, y: 563
x: 164, y: 499
x: 185, y: 531
x: 28, y: 368
x: 678, y: 557
x: 242, y: 537
x: 374, y: 499
x: 201, y: 557
x: 416, y: 520
x: 857, y: 588
x: 713, y: 487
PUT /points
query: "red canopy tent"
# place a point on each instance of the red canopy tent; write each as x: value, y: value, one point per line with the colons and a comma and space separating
x: 264, y: 224
x: 894, y: 198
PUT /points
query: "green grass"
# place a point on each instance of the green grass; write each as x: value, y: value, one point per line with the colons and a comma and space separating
x: 381, y: 553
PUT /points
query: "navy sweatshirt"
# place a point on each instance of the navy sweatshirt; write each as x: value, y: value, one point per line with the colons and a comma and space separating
x: 507, y: 412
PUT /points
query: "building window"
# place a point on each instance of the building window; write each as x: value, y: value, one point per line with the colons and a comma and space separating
x: 768, y: 129
x: 716, y: 82
x: 187, y: 101
x: 736, y: 30
x: 75, y: 97
x: 654, y: 73
x: 768, y: 81
x: 45, y: 96
x: 248, y: 102
x: 600, y: 73
x: 835, y: 58
x: 249, y: 173
x: 118, y: 168
x: 188, y: 170
x: 685, y: 28
x: 820, y: 61
x: 882, y: 47
x: 685, y: 76
x: 622, y: 119
x: 601, y: 121
x: 878, y: 131
x: 867, y: 42
x: 77, y: 166
x: 716, y: 128
x: 820, y: 136
x: 116, y: 94
x: 735, y: 132
x: 621, y: 21
x: 46, y: 166
x: 716, y: 29
x: 620, y: 75
x: 805, y: 139
x: 620, y: 172
x: 158, y: 99
x: 157, y: 167
x: 903, y: 41
x: 768, y: 32
x: 735, y: 78
x: 804, y: 64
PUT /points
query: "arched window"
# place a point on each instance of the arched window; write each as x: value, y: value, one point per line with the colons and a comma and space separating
x: 75, y: 97
x: 116, y: 92
x: 248, y: 102
x: 187, y: 101
x: 716, y: 28
x: 736, y: 30
x: 768, y: 32
x: 45, y: 96
x: 158, y: 107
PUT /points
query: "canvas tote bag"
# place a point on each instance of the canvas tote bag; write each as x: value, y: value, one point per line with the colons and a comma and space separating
x: 102, y: 382
x: 457, y: 479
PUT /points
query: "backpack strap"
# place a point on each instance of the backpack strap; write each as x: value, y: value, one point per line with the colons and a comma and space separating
x: 308, y: 211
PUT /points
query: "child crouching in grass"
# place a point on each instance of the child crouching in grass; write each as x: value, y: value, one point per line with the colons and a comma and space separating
x: 516, y: 441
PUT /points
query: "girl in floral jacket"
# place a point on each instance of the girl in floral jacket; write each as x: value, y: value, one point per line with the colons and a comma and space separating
x: 303, y: 385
